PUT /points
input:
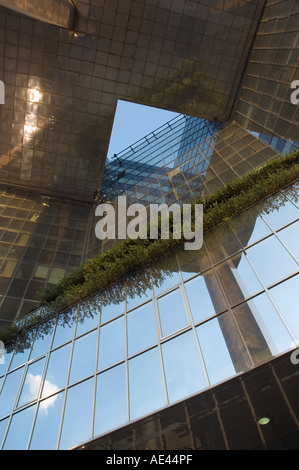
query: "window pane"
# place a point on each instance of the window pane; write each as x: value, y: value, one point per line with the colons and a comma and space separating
x: 222, y: 348
x: 139, y: 289
x: 165, y: 275
x: 57, y: 370
x: 112, y: 343
x: 5, y: 360
x: 3, y: 426
x: 290, y: 236
x: 112, y: 310
x: 194, y: 262
x: 111, y: 400
x: 56, y: 275
x: 145, y: 384
x: 88, y: 318
x: 19, y: 430
x: 9, y: 391
x: 77, y: 425
x: 286, y: 298
x: 271, y: 260
x: 183, y: 369
x: 172, y: 312
x: 65, y: 330
x: 262, y: 328
x: 249, y: 227
x: 43, y: 339
x: 21, y: 353
x: 238, y: 279
x: 221, y: 243
x: 32, y: 382
x: 84, y: 355
x: 41, y: 272
x: 278, y: 211
x: 142, y: 328
x: 204, y: 296
x: 292, y: 192
x: 47, y: 424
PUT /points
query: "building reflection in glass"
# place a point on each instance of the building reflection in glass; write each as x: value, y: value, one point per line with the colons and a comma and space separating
x: 229, y: 316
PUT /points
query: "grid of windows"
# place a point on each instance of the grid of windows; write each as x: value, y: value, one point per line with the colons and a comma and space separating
x: 188, y: 168
x: 196, y: 320
x: 187, y: 158
x: 41, y: 239
x: 200, y: 157
x: 150, y: 160
x: 265, y: 103
x: 62, y: 86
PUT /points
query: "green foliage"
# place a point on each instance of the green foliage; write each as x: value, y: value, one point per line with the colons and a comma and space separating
x: 51, y: 293
x: 128, y: 256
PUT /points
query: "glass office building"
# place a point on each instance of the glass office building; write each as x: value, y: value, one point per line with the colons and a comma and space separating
x: 122, y: 355
x: 193, y: 351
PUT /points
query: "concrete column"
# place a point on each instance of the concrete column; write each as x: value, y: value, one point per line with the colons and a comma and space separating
x: 58, y: 12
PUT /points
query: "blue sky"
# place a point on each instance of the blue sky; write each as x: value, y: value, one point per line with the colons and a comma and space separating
x: 132, y: 122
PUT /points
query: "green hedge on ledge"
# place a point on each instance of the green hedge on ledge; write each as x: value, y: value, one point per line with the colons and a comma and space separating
x: 128, y: 256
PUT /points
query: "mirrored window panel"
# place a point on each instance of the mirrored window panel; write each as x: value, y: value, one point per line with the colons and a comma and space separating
x: 222, y: 348
x: 43, y: 339
x: 286, y: 300
x: 88, y: 317
x: 146, y: 384
x: 112, y: 310
x: 77, y: 426
x: 139, y: 289
x: 249, y: 227
x: 57, y: 370
x: 31, y: 386
x: 46, y: 429
x: 194, y: 262
x: 112, y: 343
x: 278, y: 211
x: 111, y: 399
x: 271, y: 260
x: 204, y: 296
x: 21, y: 353
x: 183, y: 367
x: 65, y: 329
x: 3, y: 427
x: 5, y: 363
x: 262, y: 328
x: 19, y: 430
x: 221, y: 243
x: 165, y: 275
x: 290, y: 236
x: 292, y: 193
x: 142, y: 328
x: 9, y: 391
x: 238, y: 279
x: 173, y: 316
x: 84, y: 357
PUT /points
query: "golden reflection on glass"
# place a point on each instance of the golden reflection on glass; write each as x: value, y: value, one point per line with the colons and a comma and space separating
x: 33, y: 95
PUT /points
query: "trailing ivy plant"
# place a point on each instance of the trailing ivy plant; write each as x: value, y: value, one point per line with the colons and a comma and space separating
x: 128, y: 256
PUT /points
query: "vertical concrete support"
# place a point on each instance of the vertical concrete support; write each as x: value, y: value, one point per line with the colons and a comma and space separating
x: 58, y: 12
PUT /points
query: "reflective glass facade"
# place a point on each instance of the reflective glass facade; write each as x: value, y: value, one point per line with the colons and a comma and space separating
x: 186, y: 159
x: 62, y: 85
x: 187, y: 346
x: 42, y: 238
x: 265, y: 103
x: 199, y: 320
x: 145, y: 170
